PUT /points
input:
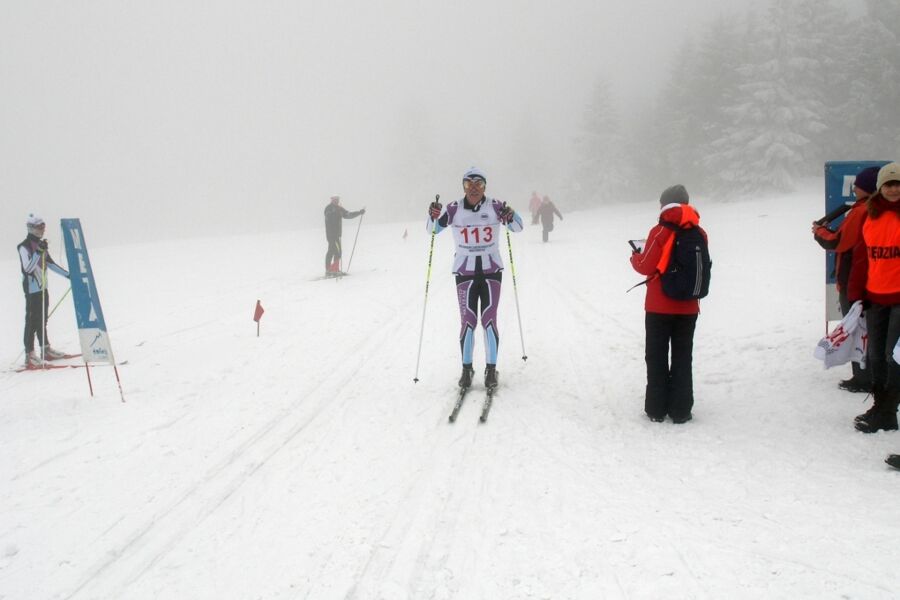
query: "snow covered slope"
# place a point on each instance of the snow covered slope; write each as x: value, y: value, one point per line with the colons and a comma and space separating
x: 306, y: 464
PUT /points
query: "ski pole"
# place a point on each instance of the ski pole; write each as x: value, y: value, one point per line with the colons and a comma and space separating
x: 58, y: 302
x: 512, y: 268
x: 425, y: 303
x: 358, y: 227
x: 44, y: 316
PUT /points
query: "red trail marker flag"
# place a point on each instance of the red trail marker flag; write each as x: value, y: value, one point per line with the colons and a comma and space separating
x: 257, y: 315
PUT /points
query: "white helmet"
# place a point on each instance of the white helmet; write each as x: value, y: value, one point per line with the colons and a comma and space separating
x: 35, y: 225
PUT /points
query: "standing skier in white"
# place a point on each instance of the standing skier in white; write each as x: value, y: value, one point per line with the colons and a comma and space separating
x: 476, y: 221
x: 35, y: 260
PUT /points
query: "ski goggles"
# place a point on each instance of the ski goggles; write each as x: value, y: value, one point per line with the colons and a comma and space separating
x: 474, y: 183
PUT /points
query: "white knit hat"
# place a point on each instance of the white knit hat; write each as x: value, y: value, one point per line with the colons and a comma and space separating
x: 889, y: 172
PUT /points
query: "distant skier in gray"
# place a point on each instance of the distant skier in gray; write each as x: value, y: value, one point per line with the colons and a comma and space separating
x: 334, y: 215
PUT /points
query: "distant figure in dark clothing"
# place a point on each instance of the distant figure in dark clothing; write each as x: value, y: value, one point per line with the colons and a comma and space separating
x: 546, y: 211
x: 334, y: 215
x: 534, y: 206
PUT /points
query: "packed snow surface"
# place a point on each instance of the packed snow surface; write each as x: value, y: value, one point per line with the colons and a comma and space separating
x: 305, y: 463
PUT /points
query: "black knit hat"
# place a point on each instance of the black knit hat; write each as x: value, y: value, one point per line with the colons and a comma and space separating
x: 676, y: 194
x: 865, y: 179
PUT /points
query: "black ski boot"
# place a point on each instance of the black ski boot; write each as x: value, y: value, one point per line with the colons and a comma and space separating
x: 465, y: 380
x: 866, y: 415
x: 884, y: 413
x: 490, y: 376
x: 855, y: 385
x: 893, y: 460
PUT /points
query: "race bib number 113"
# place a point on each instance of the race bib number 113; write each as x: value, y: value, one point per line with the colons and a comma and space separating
x: 477, y: 235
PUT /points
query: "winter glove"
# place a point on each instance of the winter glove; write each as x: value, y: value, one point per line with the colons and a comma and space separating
x: 506, y: 214
x: 434, y: 210
x: 42, y: 246
x: 362, y: 211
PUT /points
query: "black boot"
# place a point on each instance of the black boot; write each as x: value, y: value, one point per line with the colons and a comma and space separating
x: 490, y: 376
x: 893, y: 460
x: 866, y: 415
x: 869, y: 413
x: 854, y: 385
x: 465, y: 380
x: 884, y: 413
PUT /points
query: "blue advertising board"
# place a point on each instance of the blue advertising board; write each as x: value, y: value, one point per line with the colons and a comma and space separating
x: 95, y: 346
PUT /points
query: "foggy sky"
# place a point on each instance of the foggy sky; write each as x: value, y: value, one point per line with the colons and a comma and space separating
x: 156, y: 119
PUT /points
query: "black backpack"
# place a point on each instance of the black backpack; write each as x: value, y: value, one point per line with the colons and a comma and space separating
x: 687, y: 275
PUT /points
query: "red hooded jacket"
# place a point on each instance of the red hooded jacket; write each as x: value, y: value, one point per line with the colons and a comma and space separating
x: 655, y: 258
x: 843, y: 240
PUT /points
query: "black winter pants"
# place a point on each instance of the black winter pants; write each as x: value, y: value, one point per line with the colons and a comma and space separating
x: 36, y: 320
x: 883, y: 328
x: 670, y: 386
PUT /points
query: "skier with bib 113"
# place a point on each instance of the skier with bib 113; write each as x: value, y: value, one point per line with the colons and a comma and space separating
x: 35, y: 260
x: 476, y: 221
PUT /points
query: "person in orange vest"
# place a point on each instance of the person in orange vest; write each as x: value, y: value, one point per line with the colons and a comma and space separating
x: 669, y: 322
x: 875, y: 280
x: 841, y: 241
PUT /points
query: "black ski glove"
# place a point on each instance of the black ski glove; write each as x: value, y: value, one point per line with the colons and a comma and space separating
x: 434, y: 210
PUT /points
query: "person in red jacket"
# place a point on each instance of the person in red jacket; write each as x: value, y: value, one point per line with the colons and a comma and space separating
x: 841, y: 241
x: 875, y: 279
x: 668, y: 322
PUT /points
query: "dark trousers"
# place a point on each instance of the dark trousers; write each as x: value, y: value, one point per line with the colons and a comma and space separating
x: 883, y: 328
x: 548, y: 227
x: 861, y: 375
x: 334, y: 251
x: 36, y: 320
x: 670, y: 386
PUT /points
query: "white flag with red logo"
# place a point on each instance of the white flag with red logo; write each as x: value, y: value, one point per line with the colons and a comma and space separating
x: 847, y: 342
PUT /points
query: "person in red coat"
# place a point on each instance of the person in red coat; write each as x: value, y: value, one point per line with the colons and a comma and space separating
x: 842, y: 240
x: 668, y: 322
x: 875, y: 279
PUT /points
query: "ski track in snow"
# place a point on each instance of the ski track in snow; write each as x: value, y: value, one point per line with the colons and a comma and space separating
x: 306, y: 464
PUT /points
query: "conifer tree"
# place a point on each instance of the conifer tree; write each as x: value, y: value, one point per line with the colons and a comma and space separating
x: 601, y: 168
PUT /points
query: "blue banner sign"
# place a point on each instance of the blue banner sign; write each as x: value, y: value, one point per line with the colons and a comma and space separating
x: 95, y: 346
